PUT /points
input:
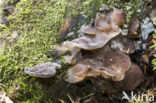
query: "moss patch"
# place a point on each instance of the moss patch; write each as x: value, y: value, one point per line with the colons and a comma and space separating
x: 37, y: 23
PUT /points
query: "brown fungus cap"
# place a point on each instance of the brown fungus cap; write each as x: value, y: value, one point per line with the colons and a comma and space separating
x: 102, y: 23
x: 77, y: 73
x: 118, y: 17
x: 90, y: 31
x: 94, y: 42
x: 45, y: 70
x: 133, y: 78
x: 134, y: 29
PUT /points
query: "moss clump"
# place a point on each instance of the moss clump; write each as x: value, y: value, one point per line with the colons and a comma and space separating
x: 37, y: 23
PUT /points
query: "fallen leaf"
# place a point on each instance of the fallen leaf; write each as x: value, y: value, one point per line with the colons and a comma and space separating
x: 145, y: 58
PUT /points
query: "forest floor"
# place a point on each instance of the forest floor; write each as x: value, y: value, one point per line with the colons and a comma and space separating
x: 29, y: 34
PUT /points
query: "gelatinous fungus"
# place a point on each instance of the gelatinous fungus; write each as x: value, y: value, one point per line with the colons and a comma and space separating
x: 106, y: 62
x: 45, y: 70
x: 134, y: 29
x: 106, y: 59
x: 118, y: 17
x: 77, y: 73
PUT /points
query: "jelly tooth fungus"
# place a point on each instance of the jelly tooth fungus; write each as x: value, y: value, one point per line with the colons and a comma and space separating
x: 106, y: 57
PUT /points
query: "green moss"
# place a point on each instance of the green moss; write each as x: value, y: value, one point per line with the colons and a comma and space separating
x: 37, y: 22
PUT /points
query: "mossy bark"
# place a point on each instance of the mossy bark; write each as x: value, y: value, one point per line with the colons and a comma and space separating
x: 38, y: 23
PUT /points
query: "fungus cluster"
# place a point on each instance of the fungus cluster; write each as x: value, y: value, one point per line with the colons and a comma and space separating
x: 106, y: 56
x: 105, y: 62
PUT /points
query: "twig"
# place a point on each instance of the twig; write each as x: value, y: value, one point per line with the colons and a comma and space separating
x: 62, y: 101
x: 70, y: 98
